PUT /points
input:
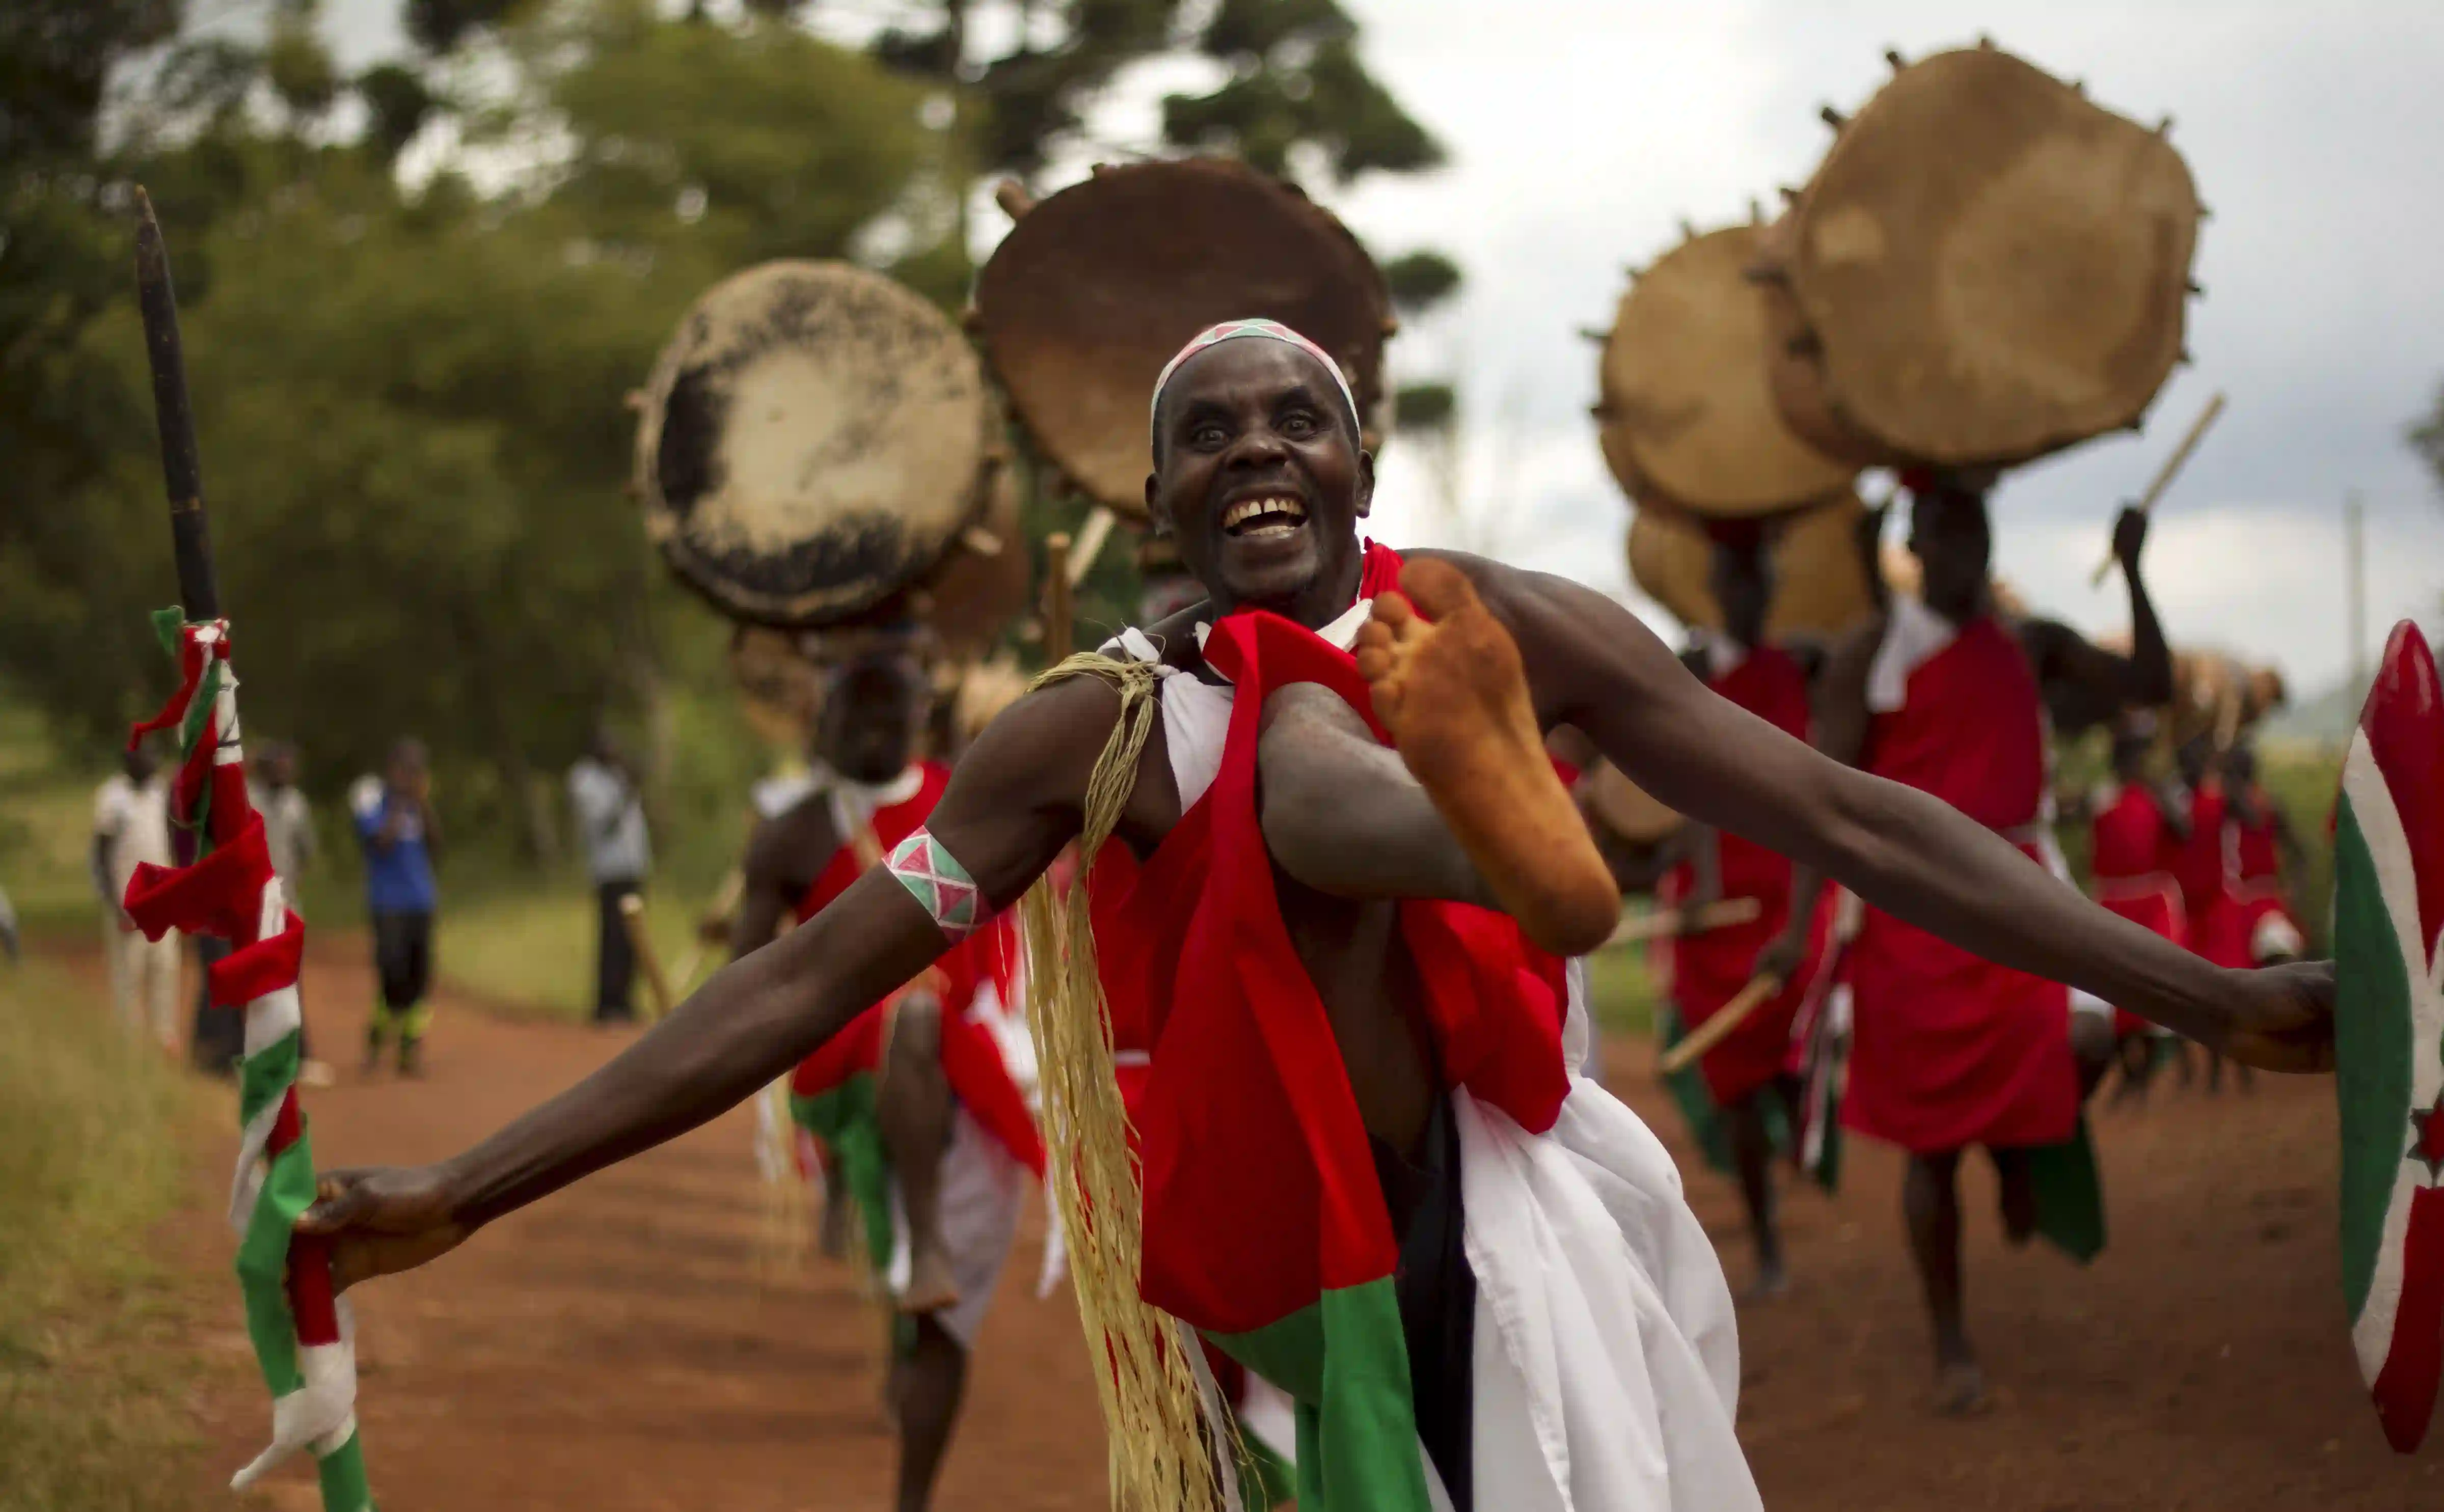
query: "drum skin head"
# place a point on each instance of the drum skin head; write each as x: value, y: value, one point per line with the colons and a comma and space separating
x: 1985, y: 267
x: 810, y: 441
x: 1687, y: 408
x: 1095, y: 287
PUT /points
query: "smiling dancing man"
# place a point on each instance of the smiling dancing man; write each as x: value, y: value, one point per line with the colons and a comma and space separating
x: 1367, y: 1172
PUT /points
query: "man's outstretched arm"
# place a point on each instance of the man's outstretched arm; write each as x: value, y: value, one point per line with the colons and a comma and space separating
x: 1593, y: 664
x: 1010, y: 809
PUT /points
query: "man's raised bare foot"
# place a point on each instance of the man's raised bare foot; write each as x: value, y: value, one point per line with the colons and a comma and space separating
x: 1449, y: 685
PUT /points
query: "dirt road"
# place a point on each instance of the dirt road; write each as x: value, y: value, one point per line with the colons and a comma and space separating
x: 618, y: 1348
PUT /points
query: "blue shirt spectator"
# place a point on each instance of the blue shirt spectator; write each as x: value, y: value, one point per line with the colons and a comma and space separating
x: 398, y: 876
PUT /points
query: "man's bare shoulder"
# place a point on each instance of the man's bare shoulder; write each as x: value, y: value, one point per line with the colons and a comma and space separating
x: 1054, y: 725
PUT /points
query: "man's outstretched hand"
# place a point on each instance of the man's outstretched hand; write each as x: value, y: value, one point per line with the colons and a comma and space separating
x: 382, y: 1219
x: 2282, y: 1018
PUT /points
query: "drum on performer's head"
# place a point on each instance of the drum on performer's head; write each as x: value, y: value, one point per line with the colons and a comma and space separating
x: 1688, y: 420
x: 811, y: 441
x: 1097, y: 286
x: 1985, y: 267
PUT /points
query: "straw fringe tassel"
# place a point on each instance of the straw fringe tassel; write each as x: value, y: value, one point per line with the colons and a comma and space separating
x: 1161, y: 1456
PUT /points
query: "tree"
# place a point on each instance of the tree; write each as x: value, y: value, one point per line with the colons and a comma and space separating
x: 1296, y: 87
x: 410, y: 407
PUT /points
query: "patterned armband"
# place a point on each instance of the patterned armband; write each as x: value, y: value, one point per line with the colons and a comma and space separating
x: 935, y: 877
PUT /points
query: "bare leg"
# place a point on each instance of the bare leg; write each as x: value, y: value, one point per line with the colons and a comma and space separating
x: 913, y: 1109
x: 2017, y: 1180
x: 1752, y: 1155
x: 832, y: 1236
x: 2136, y: 1054
x: 926, y: 1384
x: 1455, y: 696
x: 1342, y: 813
x: 1931, y: 1199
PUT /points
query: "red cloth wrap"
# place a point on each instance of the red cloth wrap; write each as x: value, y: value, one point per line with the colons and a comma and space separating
x: 1950, y: 1050
x: 2135, y: 859
x: 1709, y: 969
x: 1260, y: 1186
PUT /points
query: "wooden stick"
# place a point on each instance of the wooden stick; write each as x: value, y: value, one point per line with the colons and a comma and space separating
x: 632, y: 915
x: 1090, y: 543
x: 725, y: 904
x: 182, y: 478
x: 2165, y: 476
x: 1012, y: 197
x: 1060, y: 633
x: 1716, y: 1029
x: 1665, y: 922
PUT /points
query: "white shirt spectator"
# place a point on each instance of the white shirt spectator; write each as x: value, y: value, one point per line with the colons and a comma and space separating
x: 611, y: 820
x: 287, y: 830
x: 136, y: 820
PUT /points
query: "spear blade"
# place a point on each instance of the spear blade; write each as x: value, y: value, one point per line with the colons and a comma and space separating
x: 191, y: 541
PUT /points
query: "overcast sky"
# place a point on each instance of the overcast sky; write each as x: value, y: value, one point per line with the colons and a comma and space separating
x: 1582, y: 132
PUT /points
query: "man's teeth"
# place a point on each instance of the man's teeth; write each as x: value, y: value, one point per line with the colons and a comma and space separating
x: 1290, y: 510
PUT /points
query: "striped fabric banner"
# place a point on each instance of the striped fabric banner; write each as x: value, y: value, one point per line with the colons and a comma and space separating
x: 227, y: 888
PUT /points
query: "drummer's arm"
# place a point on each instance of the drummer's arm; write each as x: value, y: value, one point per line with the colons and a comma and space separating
x: 1008, y: 811
x: 2148, y: 678
x: 2079, y: 674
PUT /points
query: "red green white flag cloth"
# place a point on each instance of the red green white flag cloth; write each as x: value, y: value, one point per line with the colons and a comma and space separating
x: 2389, y: 1036
x: 1605, y: 1369
x: 300, y: 1329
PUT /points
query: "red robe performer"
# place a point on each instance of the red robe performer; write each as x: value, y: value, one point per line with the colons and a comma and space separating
x: 1951, y: 1050
x: 2135, y: 858
x: 832, y: 1091
x: 1709, y: 969
x: 2204, y: 871
x: 2262, y: 925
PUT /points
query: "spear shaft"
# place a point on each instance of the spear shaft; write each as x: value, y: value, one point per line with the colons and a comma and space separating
x: 191, y: 541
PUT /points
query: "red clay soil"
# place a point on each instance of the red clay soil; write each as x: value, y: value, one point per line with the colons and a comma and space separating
x: 620, y: 1346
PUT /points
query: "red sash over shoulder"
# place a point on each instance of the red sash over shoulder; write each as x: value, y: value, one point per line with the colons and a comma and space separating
x: 1260, y: 1187
x: 1950, y: 1050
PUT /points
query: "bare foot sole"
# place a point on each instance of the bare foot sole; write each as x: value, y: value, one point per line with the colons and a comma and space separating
x: 1455, y: 696
x: 1960, y: 1391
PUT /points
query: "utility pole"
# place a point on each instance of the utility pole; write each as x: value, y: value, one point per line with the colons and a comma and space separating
x: 2355, y: 585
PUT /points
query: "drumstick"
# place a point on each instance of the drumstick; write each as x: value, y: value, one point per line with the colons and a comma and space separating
x: 1668, y: 921
x: 1718, y: 1028
x: 632, y: 915
x: 1058, y: 632
x: 725, y: 903
x: 2165, y: 476
x: 1090, y: 543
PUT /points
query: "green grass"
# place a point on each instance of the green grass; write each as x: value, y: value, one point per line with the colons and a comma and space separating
x: 530, y: 952
x: 46, y: 828
x: 94, y: 1368
x: 1621, y: 990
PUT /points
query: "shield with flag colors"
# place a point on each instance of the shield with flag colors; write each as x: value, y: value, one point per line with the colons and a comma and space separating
x: 2389, y: 1035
